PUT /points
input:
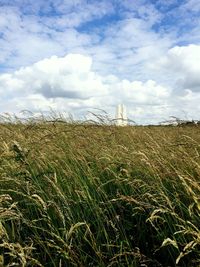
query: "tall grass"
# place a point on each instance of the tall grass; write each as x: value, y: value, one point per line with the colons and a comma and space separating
x: 90, y: 195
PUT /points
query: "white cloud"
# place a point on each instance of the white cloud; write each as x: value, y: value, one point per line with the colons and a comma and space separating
x: 191, y: 6
x: 71, y: 82
x: 183, y: 64
x: 68, y: 77
x: 144, y: 10
x: 128, y: 45
x: 131, y: 57
x: 149, y: 93
x: 117, y: 47
x: 80, y: 12
x: 25, y: 38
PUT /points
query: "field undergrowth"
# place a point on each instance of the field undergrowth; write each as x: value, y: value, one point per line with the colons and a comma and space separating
x: 90, y: 195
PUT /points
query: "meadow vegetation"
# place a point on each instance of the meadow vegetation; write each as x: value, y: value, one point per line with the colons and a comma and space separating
x: 78, y: 194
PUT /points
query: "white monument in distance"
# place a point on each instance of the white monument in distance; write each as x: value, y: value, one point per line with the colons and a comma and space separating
x: 121, y: 115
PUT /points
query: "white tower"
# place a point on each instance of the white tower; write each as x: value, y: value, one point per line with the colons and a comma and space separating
x: 121, y: 116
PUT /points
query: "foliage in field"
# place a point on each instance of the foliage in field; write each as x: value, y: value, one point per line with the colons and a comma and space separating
x: 91, y: 195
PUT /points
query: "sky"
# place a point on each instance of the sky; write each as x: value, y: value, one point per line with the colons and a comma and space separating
x: 81, y: 56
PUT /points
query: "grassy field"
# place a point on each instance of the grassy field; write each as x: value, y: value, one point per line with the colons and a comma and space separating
x: 91, y: 195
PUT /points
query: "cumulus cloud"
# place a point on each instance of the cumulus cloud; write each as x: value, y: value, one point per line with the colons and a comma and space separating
x: 183, y: 63
x: 70, y: 83
x: 106, y: 52
x: 69, y: 77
